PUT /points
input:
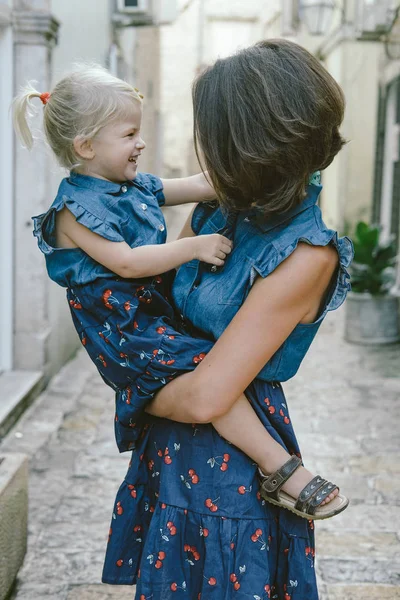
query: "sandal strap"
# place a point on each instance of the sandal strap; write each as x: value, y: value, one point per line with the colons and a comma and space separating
x: 318, y: 495
x: 308, y: 492
x: 271, y: 484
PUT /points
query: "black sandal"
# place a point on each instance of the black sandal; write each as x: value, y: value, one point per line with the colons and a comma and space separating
x: 308, y: 503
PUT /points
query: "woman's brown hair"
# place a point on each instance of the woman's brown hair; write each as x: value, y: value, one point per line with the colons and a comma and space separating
x: 265, y: 119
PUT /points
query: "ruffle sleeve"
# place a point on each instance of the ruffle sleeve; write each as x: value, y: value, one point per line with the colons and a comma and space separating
x: 269, y: 261
x: 44, y: 225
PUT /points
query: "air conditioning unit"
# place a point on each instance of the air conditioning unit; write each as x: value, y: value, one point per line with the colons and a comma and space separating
x: 375, y: 18
x: 146, y: 12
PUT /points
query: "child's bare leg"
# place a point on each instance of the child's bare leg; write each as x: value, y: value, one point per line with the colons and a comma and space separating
x: 242, y: 427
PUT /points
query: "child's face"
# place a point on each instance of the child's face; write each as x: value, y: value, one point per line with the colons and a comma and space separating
x: 117, y: 147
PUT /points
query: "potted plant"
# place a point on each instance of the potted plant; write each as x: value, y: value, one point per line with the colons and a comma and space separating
x: 372, y: 311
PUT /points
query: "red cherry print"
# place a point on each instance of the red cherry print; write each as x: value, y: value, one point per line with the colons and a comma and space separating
x: 224, y: 466
x: 286, y: 551
x: 127, y: 305
x: 171, y: 337
x: 185, y: 511
x: 158, y: 279
x: 236, y: 585
x: 233, y: 577
x: 173, y: 530
x: 161, y: 555
x: 163, y: 505
x: 173, y: 587
x: 135, y: 325
x: 161, y: 330
x: 191, y: 472
x: 196, y: 360
x: 212, y: 581
x: 137, y: 528
x: 142, y: 597
x: 202, y: 355
x: 258, y: 496
x: 232, y: 546
x: 120, y: 510
x: 83, y: 341
x: 160, y: 453
x: 208, y: 503
x: 271, y: 409
x: 267, y: 401
x: 170, y: 524
x: 287, y: 596
x: 170, y: 362
x: 281, y: 413
x: 226, y: 457
x: 120, y: 562
x: 308, y: 550
x: 166, y: 451
x: 167, y: 460
x: 158, y: 564
x: 205, y: 532
x: 195, y: 479
x: 214, y: 508
x: 133, y: 493
x: 186, y: 548
x: 242, y: 489
x: 267, y: 588
x: 155, y: 352
x: 162, y: 362
x: 286, y: 420
x: 254, y: 538
x: 196, y: 556
x: 151, y: 509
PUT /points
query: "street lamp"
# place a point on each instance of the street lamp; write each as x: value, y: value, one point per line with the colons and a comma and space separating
x: 316, y: 15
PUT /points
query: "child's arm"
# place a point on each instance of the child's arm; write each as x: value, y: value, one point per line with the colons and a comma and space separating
x: 143, y: 261
x: 187, y: 189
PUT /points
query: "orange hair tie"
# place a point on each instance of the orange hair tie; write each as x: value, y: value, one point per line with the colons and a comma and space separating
x: 45, y: 97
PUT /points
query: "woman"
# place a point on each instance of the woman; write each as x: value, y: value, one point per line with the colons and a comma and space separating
x: 189, y: 520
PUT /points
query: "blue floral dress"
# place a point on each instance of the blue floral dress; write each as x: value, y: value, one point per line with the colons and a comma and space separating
x: 188, y: 520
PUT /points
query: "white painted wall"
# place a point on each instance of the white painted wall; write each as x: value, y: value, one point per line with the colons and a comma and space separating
x: 6, y: 194
x: 83, y: 36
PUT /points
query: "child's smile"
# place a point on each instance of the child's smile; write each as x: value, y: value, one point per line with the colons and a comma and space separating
x: 117, y: 148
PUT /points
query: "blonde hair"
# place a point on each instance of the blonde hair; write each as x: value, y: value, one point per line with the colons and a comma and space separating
x: 82, y: 103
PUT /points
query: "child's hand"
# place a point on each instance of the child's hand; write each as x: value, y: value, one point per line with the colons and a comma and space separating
x: 212, y: 249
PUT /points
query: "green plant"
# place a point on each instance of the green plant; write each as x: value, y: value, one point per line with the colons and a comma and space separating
x: 373, y: 268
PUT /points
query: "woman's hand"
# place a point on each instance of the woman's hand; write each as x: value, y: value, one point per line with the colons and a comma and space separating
x: 291, y: 294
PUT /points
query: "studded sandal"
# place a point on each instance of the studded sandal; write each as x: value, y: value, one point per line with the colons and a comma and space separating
x: 308, y: 504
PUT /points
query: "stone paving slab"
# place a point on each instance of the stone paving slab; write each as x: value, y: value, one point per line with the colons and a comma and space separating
x: 345, y: 406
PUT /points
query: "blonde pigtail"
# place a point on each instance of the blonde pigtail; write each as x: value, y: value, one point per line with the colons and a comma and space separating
x: 21, y: 110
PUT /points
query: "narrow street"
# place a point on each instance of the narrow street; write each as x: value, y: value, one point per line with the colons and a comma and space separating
x: 345, y: 405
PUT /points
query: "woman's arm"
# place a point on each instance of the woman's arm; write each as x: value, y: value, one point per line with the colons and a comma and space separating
x: 293, y: 293
x: 187, y: 189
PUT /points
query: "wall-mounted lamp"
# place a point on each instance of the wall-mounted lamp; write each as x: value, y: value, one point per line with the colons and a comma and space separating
x: 316, y: 15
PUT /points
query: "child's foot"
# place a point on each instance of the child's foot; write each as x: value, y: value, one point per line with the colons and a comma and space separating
x: 300, y: 478
x: 293, y: 487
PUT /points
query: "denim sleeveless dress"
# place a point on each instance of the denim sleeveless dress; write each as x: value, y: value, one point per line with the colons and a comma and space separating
x: 188, y: 521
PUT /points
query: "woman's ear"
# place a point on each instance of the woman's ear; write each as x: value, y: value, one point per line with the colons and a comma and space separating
x: 83, y: 147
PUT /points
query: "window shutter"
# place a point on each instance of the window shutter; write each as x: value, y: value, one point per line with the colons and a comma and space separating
x: 379, y: 155
x: 395, y: 219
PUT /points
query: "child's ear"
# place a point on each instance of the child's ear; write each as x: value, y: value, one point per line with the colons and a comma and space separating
x: 83, y: 147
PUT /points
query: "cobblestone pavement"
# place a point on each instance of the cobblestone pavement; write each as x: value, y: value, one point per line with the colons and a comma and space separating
x: 345, y: 404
